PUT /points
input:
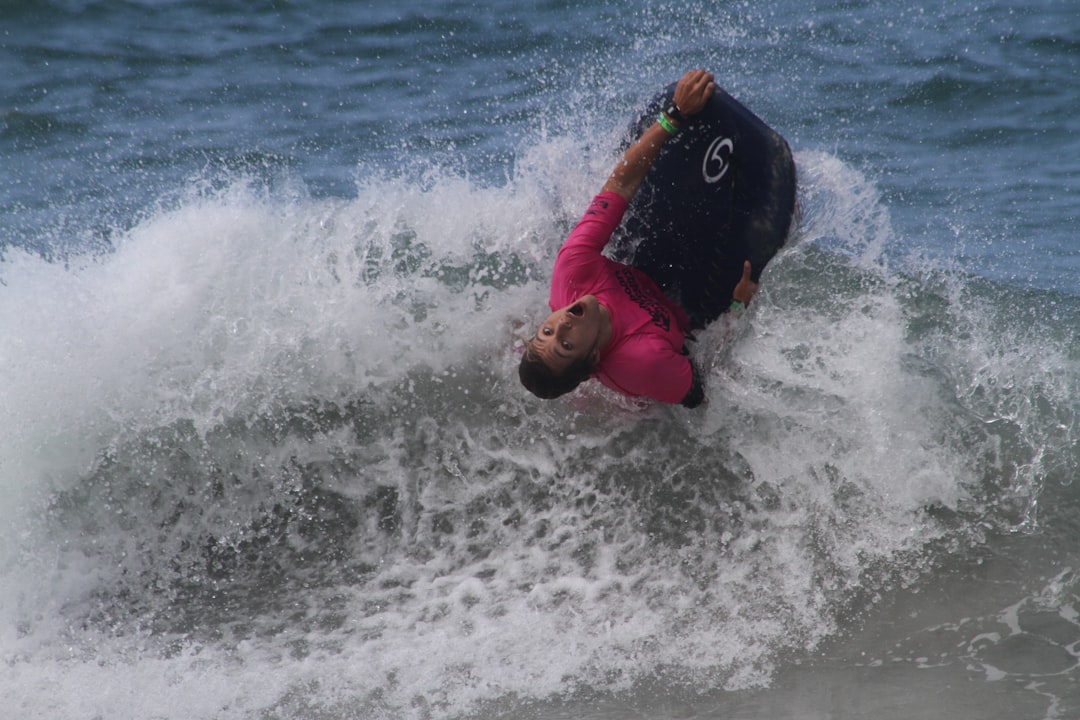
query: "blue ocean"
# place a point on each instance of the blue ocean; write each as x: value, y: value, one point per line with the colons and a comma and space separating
x: 265, y: 273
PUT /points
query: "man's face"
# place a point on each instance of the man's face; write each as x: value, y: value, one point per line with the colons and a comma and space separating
x: 569, y: 333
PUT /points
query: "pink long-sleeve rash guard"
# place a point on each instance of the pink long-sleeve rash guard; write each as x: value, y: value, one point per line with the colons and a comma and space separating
x: 644, y: 357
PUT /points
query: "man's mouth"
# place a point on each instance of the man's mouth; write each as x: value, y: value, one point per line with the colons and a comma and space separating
x: 577, y: 310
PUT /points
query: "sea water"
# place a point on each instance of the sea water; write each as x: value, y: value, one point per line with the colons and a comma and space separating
x: 265, y: 274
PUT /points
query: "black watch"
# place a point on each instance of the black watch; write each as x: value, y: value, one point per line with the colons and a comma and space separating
x: 674, y: 113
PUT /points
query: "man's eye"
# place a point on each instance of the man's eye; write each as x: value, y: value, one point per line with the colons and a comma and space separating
x: 546, y: 331
x: 567, y: 346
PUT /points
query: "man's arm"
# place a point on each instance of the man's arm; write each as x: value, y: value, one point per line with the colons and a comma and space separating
x: 693, y: 91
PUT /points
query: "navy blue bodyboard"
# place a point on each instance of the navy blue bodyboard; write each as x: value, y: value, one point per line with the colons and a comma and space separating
x: 722, y: 191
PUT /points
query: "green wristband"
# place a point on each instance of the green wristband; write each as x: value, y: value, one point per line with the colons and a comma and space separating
x: 666, y: 124
x: 737, y: 307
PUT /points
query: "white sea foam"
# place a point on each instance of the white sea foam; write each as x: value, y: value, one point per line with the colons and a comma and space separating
x: 270, y: 455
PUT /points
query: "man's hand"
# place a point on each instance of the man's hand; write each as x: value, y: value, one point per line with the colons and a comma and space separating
x: 745, y: 288
x: 693, y: 91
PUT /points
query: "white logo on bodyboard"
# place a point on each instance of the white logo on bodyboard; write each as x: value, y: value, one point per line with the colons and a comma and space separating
x: 715, y: 165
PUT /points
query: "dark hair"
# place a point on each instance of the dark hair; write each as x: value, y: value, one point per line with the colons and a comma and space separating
x: 545, y: 384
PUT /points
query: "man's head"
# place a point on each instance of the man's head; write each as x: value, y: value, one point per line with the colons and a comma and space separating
x: 565, y: 349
